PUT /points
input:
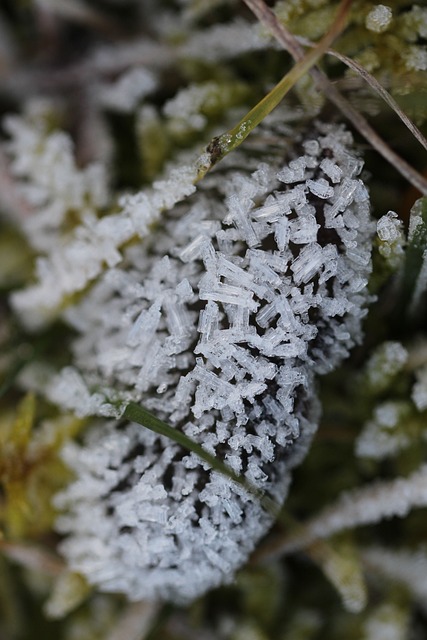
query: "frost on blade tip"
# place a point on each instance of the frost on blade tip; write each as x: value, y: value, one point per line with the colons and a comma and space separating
x: 49, y: 179
x: 391, y: 239
x: 218, y: 325
x: 387, y: 433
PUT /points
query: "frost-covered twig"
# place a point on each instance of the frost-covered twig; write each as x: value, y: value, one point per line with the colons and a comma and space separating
x: 368, y: 505
x: 404, y: 566
x: 69, y: 267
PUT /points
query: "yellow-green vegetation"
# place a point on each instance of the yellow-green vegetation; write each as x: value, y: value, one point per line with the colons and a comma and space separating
x: 30, y: 468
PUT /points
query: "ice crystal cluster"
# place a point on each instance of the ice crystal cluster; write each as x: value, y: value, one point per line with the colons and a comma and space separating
x: 218, y: 322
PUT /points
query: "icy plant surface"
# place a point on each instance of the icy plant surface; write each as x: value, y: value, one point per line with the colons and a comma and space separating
x: 218, y: 326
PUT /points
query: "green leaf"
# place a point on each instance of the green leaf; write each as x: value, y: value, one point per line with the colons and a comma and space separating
x: 138, y: 413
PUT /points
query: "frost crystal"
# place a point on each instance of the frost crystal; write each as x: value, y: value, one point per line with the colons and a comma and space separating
x: 50, y: 179
x: 416, y: 57
x: 388, y: 227
x: 379, y: 18
x: 392, y: 239
x: 404, y: 566
x: 385, y: 435
x: 419, y: 390
x: 217, y: 323
x: 386, y: 362
x: 131, y: 88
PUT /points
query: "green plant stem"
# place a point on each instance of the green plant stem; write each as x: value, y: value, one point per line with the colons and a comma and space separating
x: 137, y: 413
x: 267, y: 17
x: 227, y: 142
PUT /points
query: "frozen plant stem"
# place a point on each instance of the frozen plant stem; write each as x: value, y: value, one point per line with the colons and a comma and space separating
x: 227, y: 142
x: 137, y: 413
x: 291, y: 44
x: 368, y: 505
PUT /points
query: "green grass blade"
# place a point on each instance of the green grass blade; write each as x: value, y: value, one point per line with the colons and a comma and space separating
x: 137, y: 413
x: 227, y: 142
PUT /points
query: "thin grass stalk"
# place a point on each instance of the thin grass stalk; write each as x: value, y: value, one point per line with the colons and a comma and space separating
x: 267, y: 17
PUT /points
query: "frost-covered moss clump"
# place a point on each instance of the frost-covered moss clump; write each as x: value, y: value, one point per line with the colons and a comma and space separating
x: 218, y: 326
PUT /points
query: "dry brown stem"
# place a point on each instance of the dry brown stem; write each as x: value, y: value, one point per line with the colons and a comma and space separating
x: 267, y: 17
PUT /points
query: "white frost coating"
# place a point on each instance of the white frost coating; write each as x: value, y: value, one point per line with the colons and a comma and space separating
x: 70, y: 267
x: 419, y: 390
x: 49, y: 179
x: 187, y: 110
x: 418, y: 16
x: 126, y: 92
x: 388, y: 227
x: 224, y: 41
x: 369, y: 505
x: 387, y: 433
x: 392, y: 239
x: 217, y: 323
x: 385, y: 363
x: 404, y: 566
x: 415, y: 57
x: 379, y: 18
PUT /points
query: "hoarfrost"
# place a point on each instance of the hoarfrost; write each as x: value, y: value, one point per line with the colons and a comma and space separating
x: 224, y: 41
x: 419, y: 390
x: 218, y: 324
x: 129, y: 90
x: 387, y: 433
x: 368, y: 505
x: 379, y: 18
x: 404, y: 566
x: 385, y: 363
x: 415, y: 57
x: 50, y: 181
x: 388, y: 227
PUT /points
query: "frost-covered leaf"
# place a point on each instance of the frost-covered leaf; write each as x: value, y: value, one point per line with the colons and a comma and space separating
x: 414, y: 281
x: 216, y: 330
x: 341, y: 565
x: 70, y: 589
x: 388, y: 359
x: 401, y: 566
x: 389, y: 620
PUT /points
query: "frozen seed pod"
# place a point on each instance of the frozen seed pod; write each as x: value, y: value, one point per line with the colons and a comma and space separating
x: 218, y: 324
